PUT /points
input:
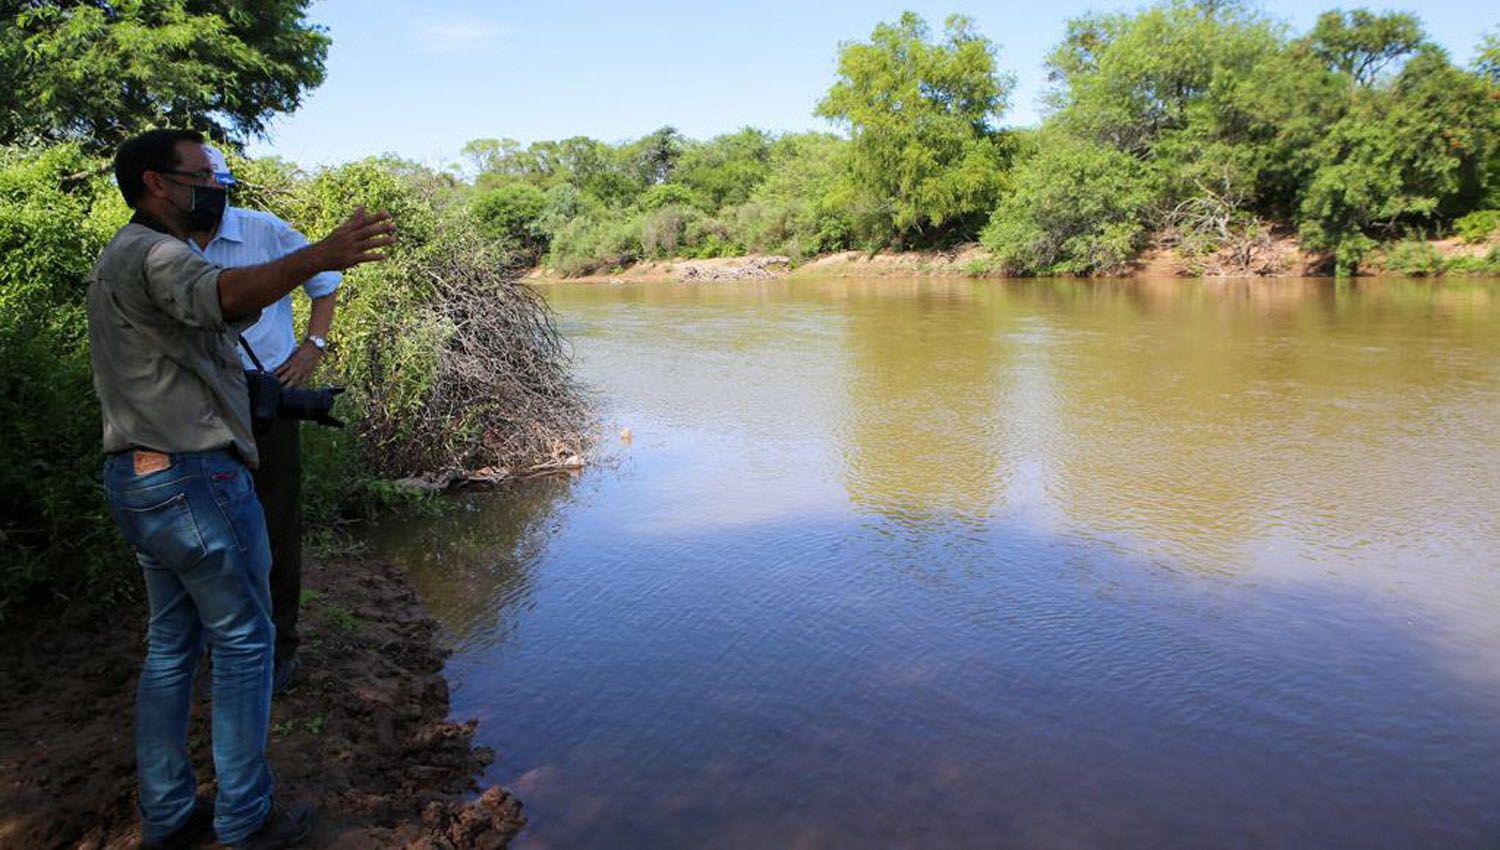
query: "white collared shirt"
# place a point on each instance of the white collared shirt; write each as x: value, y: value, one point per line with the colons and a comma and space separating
x: 249, y: 238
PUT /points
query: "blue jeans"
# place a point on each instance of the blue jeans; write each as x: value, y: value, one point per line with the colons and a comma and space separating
x: 200, y: 537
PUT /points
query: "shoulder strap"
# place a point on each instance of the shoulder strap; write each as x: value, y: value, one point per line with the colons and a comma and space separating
x: 250, y: 351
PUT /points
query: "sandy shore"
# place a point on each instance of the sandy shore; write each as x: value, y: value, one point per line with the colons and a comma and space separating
x: 1280, y: 256
x: 365, y: 732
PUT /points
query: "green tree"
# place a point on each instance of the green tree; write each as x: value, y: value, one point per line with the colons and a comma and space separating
x: 926, y: 154
x: 793, y: 211
x: 511, y: 216
x: 726, y: 169
x: 1360, y: 130
x: 1487, y: 66
x: 1409, y: 155
x: 562, y: 203
x: 1361, y: 45
x: 495, y: 156
x: 602, y: 171
x: 98, y: 72
x: 54, y: 220
x: 1153, y: 109
x: 655, y: 155
x: 1409, y: 146
x: 1078, y: 207
x: 1160, y: 81
x: 669, y: 194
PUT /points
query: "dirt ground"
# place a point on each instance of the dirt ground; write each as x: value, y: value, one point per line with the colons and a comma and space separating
x: 364, y: 732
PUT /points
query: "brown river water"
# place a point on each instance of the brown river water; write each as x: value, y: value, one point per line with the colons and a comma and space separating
x: 1032, y: 564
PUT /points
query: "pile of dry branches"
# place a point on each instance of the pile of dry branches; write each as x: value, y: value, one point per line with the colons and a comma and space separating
x: 1212, y: 231
x: 500, y: 396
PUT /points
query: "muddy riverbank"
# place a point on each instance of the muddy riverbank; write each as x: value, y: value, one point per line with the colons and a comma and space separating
x: 1278, y: 255
x: 365, y: 732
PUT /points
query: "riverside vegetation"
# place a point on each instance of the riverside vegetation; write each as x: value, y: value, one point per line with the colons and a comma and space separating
x: 450, y: 362
x: 1205, y: 126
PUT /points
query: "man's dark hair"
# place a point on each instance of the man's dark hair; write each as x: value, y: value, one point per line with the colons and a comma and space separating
x: 153, y: 150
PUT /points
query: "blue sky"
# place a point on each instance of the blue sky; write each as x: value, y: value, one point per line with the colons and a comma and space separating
x: 420, y: 80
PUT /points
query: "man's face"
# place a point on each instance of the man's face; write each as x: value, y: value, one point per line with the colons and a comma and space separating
x: 193, y: 168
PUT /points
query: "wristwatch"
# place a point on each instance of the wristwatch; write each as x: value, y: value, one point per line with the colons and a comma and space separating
x: 318, y: 342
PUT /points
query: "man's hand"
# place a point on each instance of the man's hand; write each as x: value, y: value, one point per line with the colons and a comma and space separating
x: 300, y: 366
x: 245, y: 290
x: 356, y: 241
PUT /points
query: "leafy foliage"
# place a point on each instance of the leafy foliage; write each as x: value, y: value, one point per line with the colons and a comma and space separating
x: 54, y: 216
x: 1079, y: 207
x: 1477, y: 226
x: 925, y: 153
x: 97, y: 72
x: 54, y: 531
x: 1357, y: 132
x: 450, y: 362
x: 792, y: 211
x: 510, y: 214
x: 724, y: 171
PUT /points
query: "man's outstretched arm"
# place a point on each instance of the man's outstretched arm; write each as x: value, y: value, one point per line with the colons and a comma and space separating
x: 245, y: 290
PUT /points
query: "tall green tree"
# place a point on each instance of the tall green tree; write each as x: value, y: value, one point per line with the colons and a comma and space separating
x: 1361, y: 45
x: 726, y: 169
x: 926, y: 156
x: 1134, y: 81
x: 602, y: 171
x: 98, y: 72
x: 655, y: 155
x: 1410, y: 145
x: 1360, y: 130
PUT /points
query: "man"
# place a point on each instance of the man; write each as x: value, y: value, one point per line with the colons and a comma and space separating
x: 178, y: 447
x: 241, y: 238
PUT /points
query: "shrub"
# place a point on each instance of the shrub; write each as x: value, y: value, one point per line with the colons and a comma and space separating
x: 469, y: 372
x: 1477, y: 226
x: 662, y: 230
x: 979, y: 267
x: 705, y: 237
x: 1414, y: 257
x: 269, y: 183
x: 57, y: 210
x: 669, y: 195
x: 450, y: 362
x: 446, y: 356
x: 792, y: 212
x: 591, y: 242
x: 1077, y: 208
x: 1489, y: 264
x: 562, y: 204
x: 511, y: 216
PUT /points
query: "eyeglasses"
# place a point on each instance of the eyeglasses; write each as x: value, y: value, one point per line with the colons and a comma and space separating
x: 203, y: 174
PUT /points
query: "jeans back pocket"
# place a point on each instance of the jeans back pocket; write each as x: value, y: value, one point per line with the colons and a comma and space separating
x: 166, y: 531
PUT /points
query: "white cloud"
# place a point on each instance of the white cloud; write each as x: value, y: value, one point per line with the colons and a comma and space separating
x: 455, y: 36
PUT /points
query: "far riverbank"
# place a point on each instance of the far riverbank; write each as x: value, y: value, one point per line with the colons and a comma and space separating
x: 1277, y: 257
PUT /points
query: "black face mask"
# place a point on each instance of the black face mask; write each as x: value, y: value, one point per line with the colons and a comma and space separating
x: 206, y: 209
